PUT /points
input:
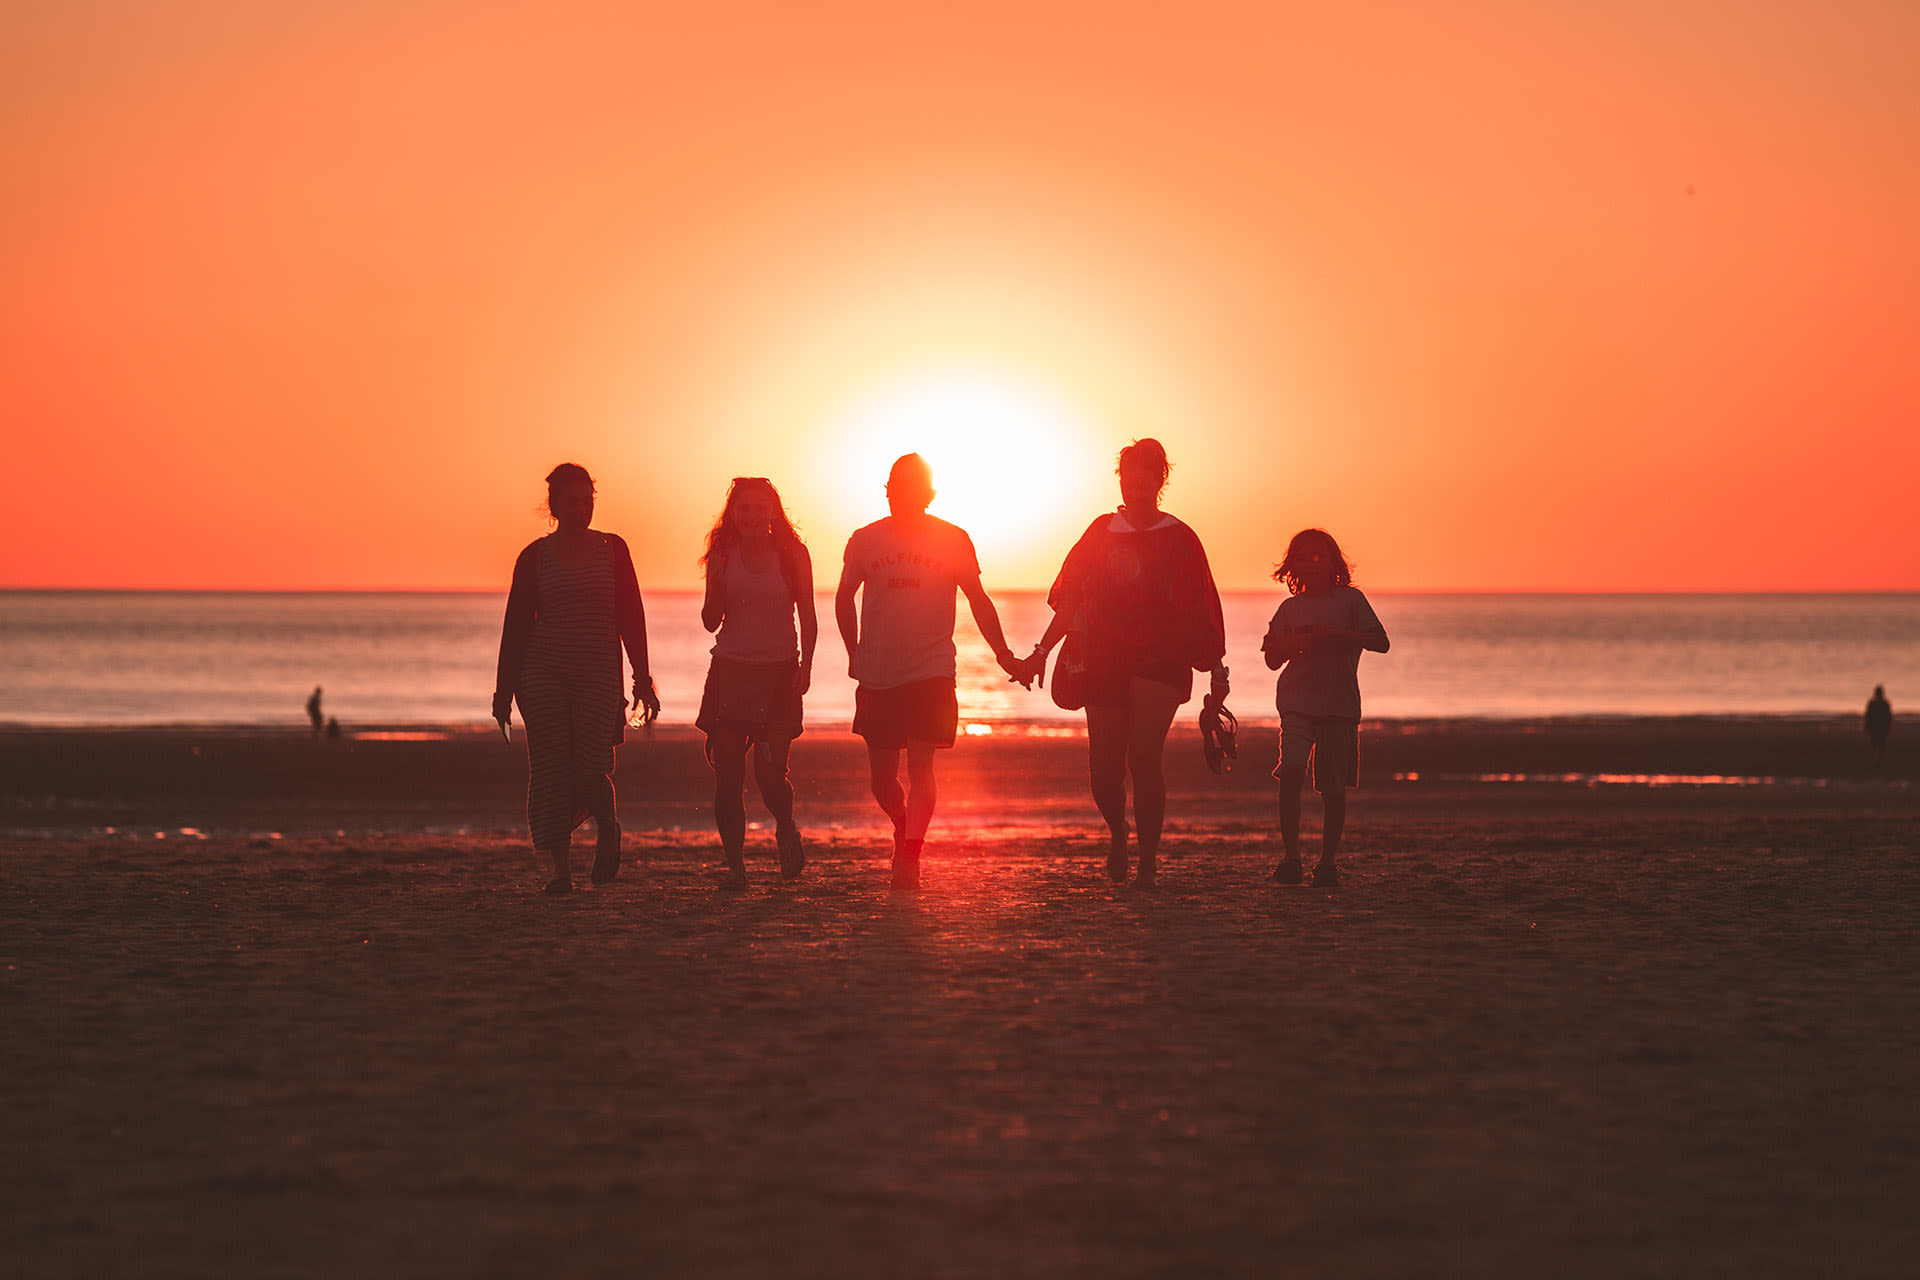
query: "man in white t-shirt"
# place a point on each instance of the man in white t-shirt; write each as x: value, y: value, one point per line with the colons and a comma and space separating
x: 900, y: 649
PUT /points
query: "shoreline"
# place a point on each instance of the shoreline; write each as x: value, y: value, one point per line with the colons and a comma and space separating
x: 90, y: 783
x: 1014, y: 725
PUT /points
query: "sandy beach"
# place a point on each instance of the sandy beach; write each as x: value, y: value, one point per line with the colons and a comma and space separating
x: 284, y: 1007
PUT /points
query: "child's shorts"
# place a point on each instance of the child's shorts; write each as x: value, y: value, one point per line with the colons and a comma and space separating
x: 1327, y: 745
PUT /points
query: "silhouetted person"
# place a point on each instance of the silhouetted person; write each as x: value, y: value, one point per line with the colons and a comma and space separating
x: 759, y: 580
x: 1315, y: 641
x: 1138, y: 586
x: 313, y: 712
x: 333, y: 727
x: 905, y: 569
x: 575, y: 600
x: 1879, y: 719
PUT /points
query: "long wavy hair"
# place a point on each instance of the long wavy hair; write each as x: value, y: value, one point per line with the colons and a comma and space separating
x: 1302, y: 551
x: 722, y: 539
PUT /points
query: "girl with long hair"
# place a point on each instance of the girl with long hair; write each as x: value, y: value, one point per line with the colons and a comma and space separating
x: 759, y: 581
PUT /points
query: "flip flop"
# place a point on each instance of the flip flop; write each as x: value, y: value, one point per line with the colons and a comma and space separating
x: 1218, y: 730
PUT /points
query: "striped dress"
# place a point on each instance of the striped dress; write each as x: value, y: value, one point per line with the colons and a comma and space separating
x: 569, y: 694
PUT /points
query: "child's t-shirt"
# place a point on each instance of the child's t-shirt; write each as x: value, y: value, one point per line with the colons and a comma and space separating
x: 1324, y: 681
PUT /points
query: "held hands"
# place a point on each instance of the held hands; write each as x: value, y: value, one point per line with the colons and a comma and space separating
x: 646, y: 702
x: 1019, y: 670
x: 1026, y: 671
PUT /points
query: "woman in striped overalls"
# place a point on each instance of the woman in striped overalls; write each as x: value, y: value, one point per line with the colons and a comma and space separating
x: 575, y: 600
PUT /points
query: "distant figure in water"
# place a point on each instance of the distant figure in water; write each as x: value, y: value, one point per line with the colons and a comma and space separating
x: 1879, y: 719
x: 333, y: 726
x: 759, y: 579
x: 575, y: 600
x: 905, y: 569
x: 1139, y: 591
x: 1315, y: 641
x: 313, y: 712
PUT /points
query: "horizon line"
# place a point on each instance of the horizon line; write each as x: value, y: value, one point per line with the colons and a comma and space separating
x: 1019, y: 590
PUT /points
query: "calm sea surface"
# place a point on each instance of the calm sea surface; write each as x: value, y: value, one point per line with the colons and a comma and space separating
x: 131, y: 658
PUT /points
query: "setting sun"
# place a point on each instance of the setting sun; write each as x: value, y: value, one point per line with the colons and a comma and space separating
x: 1013, y: 465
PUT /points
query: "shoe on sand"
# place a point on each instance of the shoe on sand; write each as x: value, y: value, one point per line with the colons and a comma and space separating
x: 793, y: 857
x: 1288, y: 872
x: 559, y: 884
x: 606, y: 857
x: 1325, y: 876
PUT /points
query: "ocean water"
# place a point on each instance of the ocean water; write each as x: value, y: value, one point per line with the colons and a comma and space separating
x: 144, y: 658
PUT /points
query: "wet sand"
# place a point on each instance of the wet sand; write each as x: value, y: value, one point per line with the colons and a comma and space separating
x: 1584, y: 1027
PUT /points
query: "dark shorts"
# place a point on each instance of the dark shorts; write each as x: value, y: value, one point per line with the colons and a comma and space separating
x: 1111, y: 686
x: 1326, y: 746
x: 751, y: 698
x: 924, y: 711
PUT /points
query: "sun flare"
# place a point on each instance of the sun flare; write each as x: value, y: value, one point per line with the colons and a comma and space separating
x: 1015, y: 466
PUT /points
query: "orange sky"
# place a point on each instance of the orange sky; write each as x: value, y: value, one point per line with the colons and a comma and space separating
x: 1506, y: 294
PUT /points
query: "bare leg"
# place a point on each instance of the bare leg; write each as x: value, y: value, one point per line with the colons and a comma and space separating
x: 776, y: 792
x: 1148, y: 719
x: 1335, y: 803
x: 1107, y: 769
x: 921, y: 792
x: 1292, y: 778
x: 594, y: 792
x: 770, y: 772
x: 550, y: 783
x: 728, y: 753
x: 883, y: 770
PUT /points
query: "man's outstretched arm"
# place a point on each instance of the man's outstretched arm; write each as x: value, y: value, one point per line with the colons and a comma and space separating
x: 987, y: 618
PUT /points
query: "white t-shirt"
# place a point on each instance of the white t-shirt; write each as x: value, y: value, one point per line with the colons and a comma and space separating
x: 909, y: 568
x: 1324, y: 681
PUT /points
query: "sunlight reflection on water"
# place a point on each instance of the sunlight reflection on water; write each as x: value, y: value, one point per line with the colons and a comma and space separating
x: 1644, y: 779
x: 428, y: 659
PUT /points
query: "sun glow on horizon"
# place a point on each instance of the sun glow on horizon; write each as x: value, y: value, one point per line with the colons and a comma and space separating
x: 1012, y: 465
